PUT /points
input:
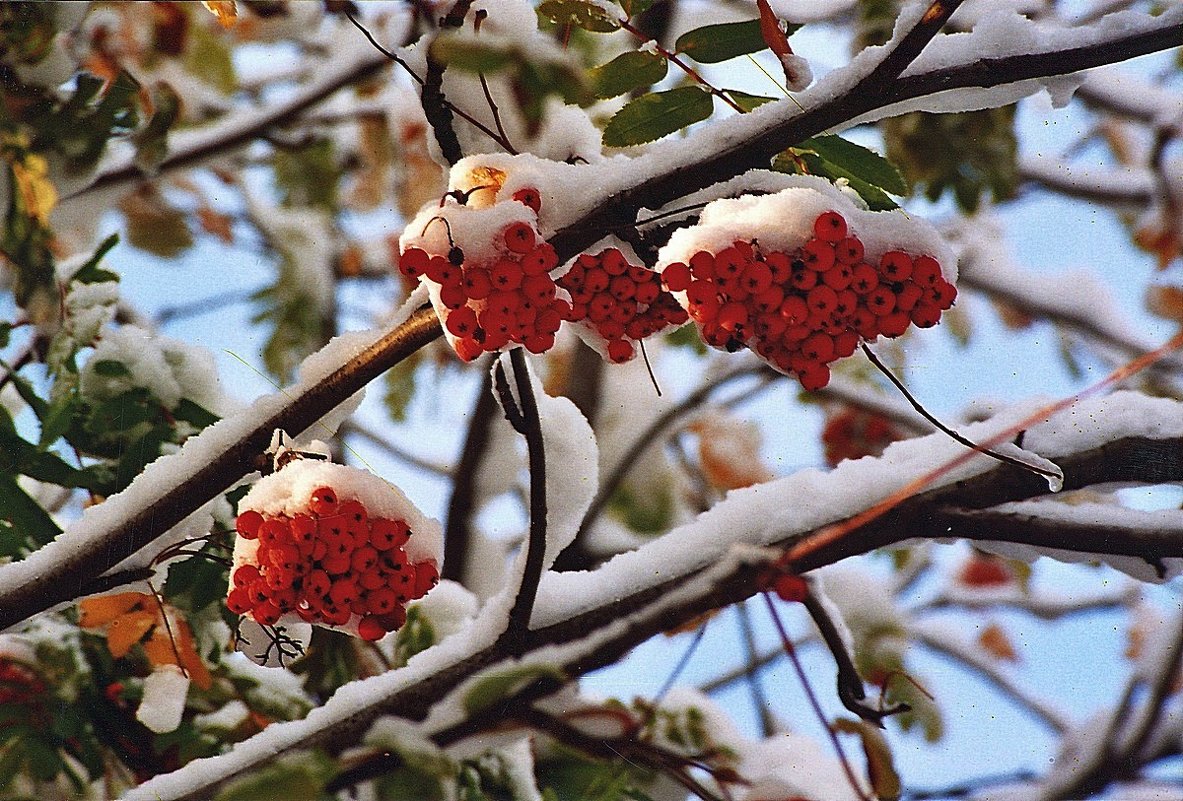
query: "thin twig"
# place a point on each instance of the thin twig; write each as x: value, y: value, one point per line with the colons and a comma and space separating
x: 850, y: 684
x: 919, y: 407
x: 791, y: 652
x: 436, y: 107
x: 752, y: 670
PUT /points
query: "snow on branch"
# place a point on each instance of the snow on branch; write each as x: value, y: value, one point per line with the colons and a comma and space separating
x: 583, y: 621
x: 175, y: 486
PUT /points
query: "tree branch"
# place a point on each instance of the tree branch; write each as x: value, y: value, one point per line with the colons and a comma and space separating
x: 458, y: 523
x: 51, y: 578
x: 527, y: 423
x: 436, y: 107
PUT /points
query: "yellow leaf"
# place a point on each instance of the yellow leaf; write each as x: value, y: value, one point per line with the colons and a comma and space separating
x: 37, y: 193
x: 225, y: 10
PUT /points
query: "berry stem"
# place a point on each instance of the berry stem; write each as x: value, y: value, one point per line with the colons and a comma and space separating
x: 525, y: 420
x: 881, y: 367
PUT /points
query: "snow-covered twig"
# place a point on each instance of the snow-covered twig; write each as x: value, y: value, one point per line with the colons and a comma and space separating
x: 522, y: 414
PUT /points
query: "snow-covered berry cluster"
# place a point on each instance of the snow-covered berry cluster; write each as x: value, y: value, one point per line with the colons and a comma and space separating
x: 787, y: 276
x: 500, y: 295
x: 621, y: 302
x: 334, y: 545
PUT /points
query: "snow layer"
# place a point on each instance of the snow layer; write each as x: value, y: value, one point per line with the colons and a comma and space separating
x: 784, y: 221
x: 287, y: 491
x: 163, y: 703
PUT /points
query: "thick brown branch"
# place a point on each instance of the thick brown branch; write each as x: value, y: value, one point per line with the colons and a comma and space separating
x: 86, y: 562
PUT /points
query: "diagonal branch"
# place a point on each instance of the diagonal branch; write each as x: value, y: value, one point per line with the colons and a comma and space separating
x: 56, y: 575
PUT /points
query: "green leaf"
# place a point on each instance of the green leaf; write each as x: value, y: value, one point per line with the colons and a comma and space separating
x: 711, y: 44
x: 195, y: 415
x: 22, y: 520
x: 580, y: 13
x: 298, y: 778
x: 471, y: 56
x: 626, y: 72
x: 657, y: 114
x: 488, y: 690
x: 90, y: 273
x: 416, y: 635
x: 208, y: 57
x: 858, y: 161
x: 5, y: 331
x: 635, y: 7
x: 200, y: 581
x: 308, y: 176
x: 111, y: 369
x: 747, y: 102
x: 876, y: 198
x: 400, y: 387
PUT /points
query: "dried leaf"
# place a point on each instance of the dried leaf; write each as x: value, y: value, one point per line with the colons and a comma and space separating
x: 216, y: 223
x: 995, y: 642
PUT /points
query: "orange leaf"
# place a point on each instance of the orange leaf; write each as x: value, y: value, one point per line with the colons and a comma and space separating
x: 225, y: 10
x: 127, y: 630
x: 96, y: 612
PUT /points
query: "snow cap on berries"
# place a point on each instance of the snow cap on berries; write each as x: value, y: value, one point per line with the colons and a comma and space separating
x: 784, y: 221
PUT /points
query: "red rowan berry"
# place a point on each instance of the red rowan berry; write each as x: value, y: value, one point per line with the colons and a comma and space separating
x: 894, y: 324
x: 881, y: 301
x: 530, y: 198
x: 647, y: 292
x: 369, y: 628
x: 248, y: 524
x: 791, y: 588
x: 895, y: 265
x: 267, y: 613
x: 427, y: 575
x: 780, y: 265
x: 622, y: 287
x: 830, y: 226
x: 840, y: 276
x: 676, y: 277
x: 815, y: 377
x: 519, y: 237
x: 387, y: 534
x: 908, y: 296
x: 238, y: 601
x: 702, y: 265
x: 733, y: 316
x: 925, y: 271
x: 323, y: 501
x: 461, y: 323
x: 468, y: 348
x: 413, y: 262
x: 802, y: 277
x: 757, y: 277
x: 505, y: 275
x: 849, y: 251
x: 817, y: 255
x: 539, y: 343
x: 822, y: 299
x: 619, y: 351
x: 864, y: 278
x: 818, y: 348
x: 926, y: 315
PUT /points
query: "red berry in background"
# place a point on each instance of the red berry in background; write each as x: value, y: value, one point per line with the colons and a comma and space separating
x: 791, y: 588
x: 985, y: 570
x: 854, y: 433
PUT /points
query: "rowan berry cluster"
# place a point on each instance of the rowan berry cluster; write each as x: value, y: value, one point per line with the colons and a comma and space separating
x: 18, y: 684
x: 802, y: 310
x: 854, y: 433
x: 327, y: 565
x: 490, y: 303
x: 622, y: 302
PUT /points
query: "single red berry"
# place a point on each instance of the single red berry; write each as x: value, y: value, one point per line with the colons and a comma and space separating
x: 895, y: 265
x: 477, y: 283
x: 926, y: 315
x: 468, y: 348
x: 519, y: 237
x: 985, y: 571
x: 369, y: 628
x: 815, y: 377
x: 676, y: 277
x: 702, y: 265
x: 413, y: 262
x: 733, y: 316
x: 267, y: 613
x: 323, y: 501
x: 925, y: 271
x: 427, y: 575
x: 647, y: 292
x: 248, y: 524
x: 453, y: 296
x: 619, y: 351
x: 506, y: 275
x: 849, y: 250
x: 274, y: 530
x: 613, y: 262
x: 881, y: 301
x: 822, y: 299
x: 393, y: 620
x: 462, y: 322
x: 894, y: 324
x: 529, y: 197
x: 238, y: 601
x: 818, y: 255
x: 387, y: 534
x: 864, y: 278
x: 830, y: 226
x: 909, y: 295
